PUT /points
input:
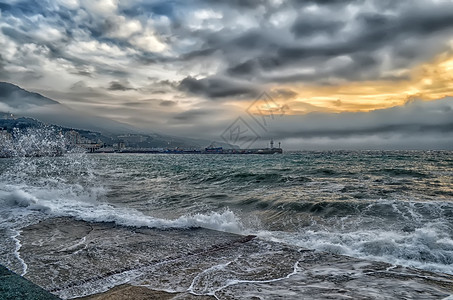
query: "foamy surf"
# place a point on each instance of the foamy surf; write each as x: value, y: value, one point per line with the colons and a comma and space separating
x: 427, y: 248
x: 400, y: 219
x: 91, y: 210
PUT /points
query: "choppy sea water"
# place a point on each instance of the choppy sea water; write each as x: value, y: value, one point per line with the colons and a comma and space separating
x: 391, y: 206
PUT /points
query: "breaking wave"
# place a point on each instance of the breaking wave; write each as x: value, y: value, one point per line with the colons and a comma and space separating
x: 307, y: 205
x: 56, y: 204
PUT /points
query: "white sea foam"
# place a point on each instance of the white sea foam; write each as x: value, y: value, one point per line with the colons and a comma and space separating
x: 82, y: 206
x: 17, y: 253
x: 428, y: 248
x: 207, y: 287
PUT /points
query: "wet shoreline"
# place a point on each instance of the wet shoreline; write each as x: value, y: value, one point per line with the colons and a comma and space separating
x: 74, y: 259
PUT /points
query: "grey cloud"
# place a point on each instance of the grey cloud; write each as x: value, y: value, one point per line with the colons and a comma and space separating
x: 401, y: 34
x: 326, y: 2
x: 250, y: 4
x: 16, y: 35
x: 416, y: 118
x: 307, y: 26
x: 81, y: 70
x: 252, y: 44
x: 84, y: 91
x: 213, y: 87
x: 191, y: 115
x: 285, y: 93
x: 383, y: 130
x: 3, y: 74
x: 150, y: 103
x: 168, y: 103
x: 159, y: 87
x: 410, y: 36
x: 197, y: 54
x: 119, y: 86
x: 417, y: 125
x: 247, y: 68
x: 251, y: 53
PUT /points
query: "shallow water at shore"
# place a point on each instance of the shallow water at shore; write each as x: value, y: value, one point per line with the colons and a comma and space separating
x: 74, y: 258
x: 392, y: 206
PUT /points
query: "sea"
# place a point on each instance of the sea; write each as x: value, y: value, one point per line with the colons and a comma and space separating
x: 389, y: 206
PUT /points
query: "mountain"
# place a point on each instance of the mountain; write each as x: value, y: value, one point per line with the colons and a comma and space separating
x: 25, y: 104
x: 18, y: 98
x: 28, y: 104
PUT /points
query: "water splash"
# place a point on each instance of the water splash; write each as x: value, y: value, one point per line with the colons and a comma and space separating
x: 32, y: 142
x: 36, y: 169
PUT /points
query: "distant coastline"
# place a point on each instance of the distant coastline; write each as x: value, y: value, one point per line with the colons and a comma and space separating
x: 205, y: 151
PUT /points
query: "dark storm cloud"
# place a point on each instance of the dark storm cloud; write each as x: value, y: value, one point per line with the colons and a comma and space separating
x: 383, y: 130
x: 192, y: 115
x: 29, y: 7
x: 261, y: 50
x: 119, y: 86
x: 308, y: 26
x: 55, y: 49
x: 197, y: 54
x: 160, y: 8
x: 3, y: 74
x: 49, y: 16
x: 414, y: 32
x: 227, y: 50
x: 250, y: 4
x: 147, y: 103
x: 16, y: 35
x: 416, y: 118
x: 83, y: 73
x: 167, y: 103
x: 325, y: 2
x: 216, y: 87
x: 378, y: 30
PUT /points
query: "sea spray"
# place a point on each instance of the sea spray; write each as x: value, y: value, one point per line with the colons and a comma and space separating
x: 39, y: 171
x: 32, y: 142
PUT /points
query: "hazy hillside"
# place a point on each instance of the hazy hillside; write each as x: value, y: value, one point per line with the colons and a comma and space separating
x: 28, y: 106
x: 17, y: 98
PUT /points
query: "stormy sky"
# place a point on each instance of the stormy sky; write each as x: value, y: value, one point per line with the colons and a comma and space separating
x: 334, y: 73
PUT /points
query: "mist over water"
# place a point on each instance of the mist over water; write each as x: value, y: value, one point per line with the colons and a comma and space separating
x: 395, y: 207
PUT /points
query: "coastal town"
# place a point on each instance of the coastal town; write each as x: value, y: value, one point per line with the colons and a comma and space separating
x: 12, y: 128
x: 129, y: 144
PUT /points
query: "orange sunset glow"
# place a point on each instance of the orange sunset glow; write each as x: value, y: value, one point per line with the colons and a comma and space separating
x: 428, y: 81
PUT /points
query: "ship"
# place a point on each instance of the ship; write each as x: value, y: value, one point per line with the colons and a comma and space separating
x: 271, y: 149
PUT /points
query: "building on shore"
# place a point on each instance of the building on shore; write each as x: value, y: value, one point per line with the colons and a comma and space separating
x: 8, y: 116
x: 73, y: 137
x: 4, y: 134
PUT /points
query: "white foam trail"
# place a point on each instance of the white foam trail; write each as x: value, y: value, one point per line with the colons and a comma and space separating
x: 17, y: 252
x: 231, y: 282
x: 199, y: 276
